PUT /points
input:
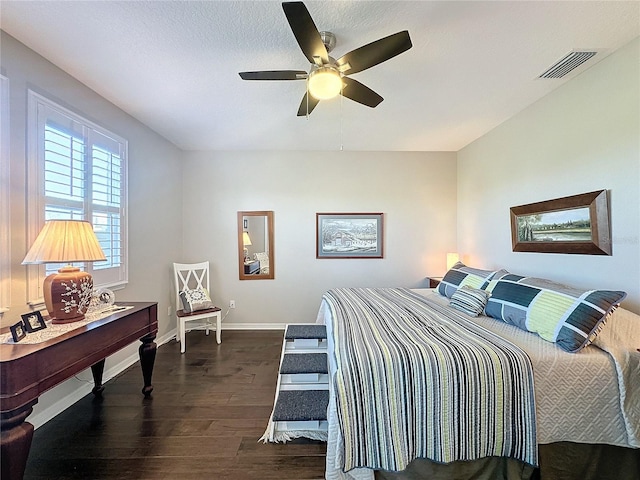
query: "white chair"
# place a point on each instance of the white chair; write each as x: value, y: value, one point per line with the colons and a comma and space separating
x: 263, y: 258
x: 194, y: 276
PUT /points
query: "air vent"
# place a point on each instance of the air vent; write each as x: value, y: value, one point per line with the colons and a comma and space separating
x: 569, y: 63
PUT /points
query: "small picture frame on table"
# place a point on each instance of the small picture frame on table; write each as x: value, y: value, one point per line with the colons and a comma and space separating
x: 17, y: 331
x: 33, y: 321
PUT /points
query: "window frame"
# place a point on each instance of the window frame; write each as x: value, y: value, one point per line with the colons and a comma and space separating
x: 41, y: 111
x: 5, y: 198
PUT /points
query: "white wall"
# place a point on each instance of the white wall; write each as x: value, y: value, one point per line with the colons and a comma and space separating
x: 415, y: 191
x: 584, y: 136
x: 155, y: 197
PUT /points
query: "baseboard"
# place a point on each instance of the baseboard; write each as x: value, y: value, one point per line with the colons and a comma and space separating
x: 85, y: 386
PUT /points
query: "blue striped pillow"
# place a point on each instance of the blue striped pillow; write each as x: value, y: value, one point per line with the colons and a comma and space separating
x: 460, y: 275
x: 469, y: 300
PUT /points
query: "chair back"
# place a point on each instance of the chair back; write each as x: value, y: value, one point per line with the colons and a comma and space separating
x: 190, y: 276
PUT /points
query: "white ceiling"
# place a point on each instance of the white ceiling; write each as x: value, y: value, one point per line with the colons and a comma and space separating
x: 174, y: 65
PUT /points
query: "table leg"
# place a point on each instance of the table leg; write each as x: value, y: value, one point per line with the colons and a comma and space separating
x: 15, y: 443
x: 97, y: 370
x: 147, y: 353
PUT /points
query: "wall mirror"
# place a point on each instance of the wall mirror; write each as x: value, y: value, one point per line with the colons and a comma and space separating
x: 255, y: 245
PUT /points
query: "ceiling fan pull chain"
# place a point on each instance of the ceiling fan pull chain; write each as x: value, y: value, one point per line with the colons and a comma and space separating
x: 341, y: 118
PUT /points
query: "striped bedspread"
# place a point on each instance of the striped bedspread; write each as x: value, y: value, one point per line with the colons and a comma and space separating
x: 415, y: 379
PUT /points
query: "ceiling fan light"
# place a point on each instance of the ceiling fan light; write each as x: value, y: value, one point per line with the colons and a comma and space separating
x: 324, y: 83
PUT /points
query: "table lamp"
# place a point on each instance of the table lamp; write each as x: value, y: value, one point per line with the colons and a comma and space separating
x: 452, y: 259
x: 246, y: 240
x: 67, y: 293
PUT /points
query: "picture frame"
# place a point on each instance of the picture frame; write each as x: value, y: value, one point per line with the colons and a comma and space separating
x: 17, y: 331
x: 349, y: 235
x: 33, y: 321
x: 577, y: 224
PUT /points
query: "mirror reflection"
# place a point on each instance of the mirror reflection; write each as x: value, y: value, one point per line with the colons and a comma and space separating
x: 255, y: 245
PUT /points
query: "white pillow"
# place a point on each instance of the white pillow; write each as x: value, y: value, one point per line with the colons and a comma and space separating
x: 622, y: 329
x: 196, y: 299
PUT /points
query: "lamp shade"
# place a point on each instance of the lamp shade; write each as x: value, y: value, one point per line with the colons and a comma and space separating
x: 246, y: 240
x: 452, y: 259
x: 67, y: 293
x: 65, y: 241
x: 324, y: 83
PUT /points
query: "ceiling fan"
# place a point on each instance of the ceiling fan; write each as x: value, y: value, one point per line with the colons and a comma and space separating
x: 327, y: 77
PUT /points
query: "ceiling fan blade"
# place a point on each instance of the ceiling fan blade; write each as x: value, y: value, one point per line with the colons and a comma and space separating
x: 306, y: 32
x: 374, y: 53
x: 302, y: 111
x: 274, y: 75
x: 360, y: 93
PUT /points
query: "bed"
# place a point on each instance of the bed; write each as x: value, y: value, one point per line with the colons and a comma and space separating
x: 571, y: 415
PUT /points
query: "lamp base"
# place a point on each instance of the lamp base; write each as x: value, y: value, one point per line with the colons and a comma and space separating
x: 67, y: 294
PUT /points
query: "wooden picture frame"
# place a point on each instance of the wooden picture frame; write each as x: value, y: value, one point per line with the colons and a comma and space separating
x: 349, y: 235
x: 33, y: 321
x: 17, y: 331
x: 578, y: 224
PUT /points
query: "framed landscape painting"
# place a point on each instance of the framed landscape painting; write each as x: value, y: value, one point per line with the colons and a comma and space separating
x: 349, y: 235
x: 575, y: 224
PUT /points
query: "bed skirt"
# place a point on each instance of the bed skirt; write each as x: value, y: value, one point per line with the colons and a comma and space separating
x: 558, y: 461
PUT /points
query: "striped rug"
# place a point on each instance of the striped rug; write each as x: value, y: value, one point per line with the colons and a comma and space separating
x: 418, y: 380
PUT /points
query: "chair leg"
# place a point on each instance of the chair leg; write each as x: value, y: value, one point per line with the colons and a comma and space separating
x: 183, y: 346
x: 218, y: 326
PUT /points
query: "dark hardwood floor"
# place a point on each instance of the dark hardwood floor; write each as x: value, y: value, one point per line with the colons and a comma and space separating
x: 208, y: 409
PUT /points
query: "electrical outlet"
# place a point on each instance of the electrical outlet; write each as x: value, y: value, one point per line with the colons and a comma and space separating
x: 169, y: 310
x: 232, y: 304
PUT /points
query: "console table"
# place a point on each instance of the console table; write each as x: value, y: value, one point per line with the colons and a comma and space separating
x: 31, y: 369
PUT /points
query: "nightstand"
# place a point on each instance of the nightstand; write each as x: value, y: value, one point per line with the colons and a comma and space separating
x: 251, y: 267
x: 434, y: 281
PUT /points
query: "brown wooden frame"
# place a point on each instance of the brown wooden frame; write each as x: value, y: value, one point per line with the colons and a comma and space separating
x: 378, y: 217
x: 270, y: 240
x: 598, y: 206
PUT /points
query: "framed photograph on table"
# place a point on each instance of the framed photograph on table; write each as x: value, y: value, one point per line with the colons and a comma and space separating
x: 17, y: 331
x: 349, y: 235
x: 33, y: 321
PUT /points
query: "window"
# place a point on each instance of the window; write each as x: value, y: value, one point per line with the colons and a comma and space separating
x: 5, y: 213
x: 77, y: 170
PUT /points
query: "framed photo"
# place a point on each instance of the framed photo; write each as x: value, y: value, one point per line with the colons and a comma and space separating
x: 33, y: 321
x: 576, y: 224
x: 17, y: 331
x: 349, y: 235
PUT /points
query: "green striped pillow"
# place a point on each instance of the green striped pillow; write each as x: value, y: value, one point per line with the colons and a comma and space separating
x: 567, y: 316
x: 469, y: 300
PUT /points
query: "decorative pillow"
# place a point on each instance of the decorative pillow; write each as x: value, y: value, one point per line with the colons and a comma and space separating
x: 194, y: 300
x: 460, y: 275
x: 469, y: 300
x: 622, y: 331
x: 568, y: 316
